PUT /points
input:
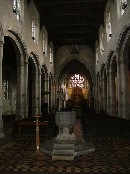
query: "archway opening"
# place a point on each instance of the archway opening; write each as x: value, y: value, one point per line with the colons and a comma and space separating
x: 9, y: 83
x: 76, y: 85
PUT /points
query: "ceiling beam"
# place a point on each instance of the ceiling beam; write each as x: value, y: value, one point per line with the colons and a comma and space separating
x: 86, y: 16
x: 81, y: 31
x: 51, y: 2
x: 70, y: 25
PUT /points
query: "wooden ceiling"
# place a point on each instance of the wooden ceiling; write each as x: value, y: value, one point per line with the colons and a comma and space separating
x: 72, y: 21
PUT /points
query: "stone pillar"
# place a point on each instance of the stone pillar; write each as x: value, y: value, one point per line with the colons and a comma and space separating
x: 98, y: 94
x: 101, y: 92
x: 37, y: 93
x: 1, y: 91
x: 26, y: 90
x: 20, y: 91
x: 112, y: 92
x: 123, y: 90
x: 52, y: 95
x: 58, y: 97
x: 49, y: 94
x: 104, y: 91
x: 34, y: 95
x: 108, y: 91
x: 127, y: 93
x: 119, y: 90
x: 95, y: 95
x: 46, y: 90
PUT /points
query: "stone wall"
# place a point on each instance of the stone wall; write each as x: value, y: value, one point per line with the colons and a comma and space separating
x: 118, y: 24
x: 63, y: 56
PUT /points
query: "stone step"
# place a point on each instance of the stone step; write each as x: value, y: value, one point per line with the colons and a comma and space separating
x: 62, y: 157
x: 63, y: 152
x: 64, y: 146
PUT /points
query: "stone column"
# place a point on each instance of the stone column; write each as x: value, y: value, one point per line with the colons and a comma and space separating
x: 58, y: 97
x: 98, y: 94
x: 20, y: 90
x: 119, y: 90
x: 95, y: 96
x: 101, y: 92
x: 37, y: 93
x: 34, y: 95
x: 46, y: 90
x: 52, y: 95
x: 112, y: 92
x: 127, y: 92
x: 1, y: 91
x: 49, y: 94
x: 104, y: 91
x: 26, y: 89
x: 123, y: 90
x: 108, y: 91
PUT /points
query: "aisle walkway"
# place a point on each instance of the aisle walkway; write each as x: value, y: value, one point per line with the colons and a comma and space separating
x: 77, y: 129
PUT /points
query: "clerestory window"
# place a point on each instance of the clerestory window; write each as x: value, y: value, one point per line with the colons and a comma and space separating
x: 51, y: 52
x: 109, y: 28
x: 45, y: 41
x: 16, y: 8
x: 101, y: 43
x: 97, y: 56
x: 34, y: 30
x: 123, y: 6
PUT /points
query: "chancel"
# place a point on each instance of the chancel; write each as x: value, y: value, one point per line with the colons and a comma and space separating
x: 65, y: 86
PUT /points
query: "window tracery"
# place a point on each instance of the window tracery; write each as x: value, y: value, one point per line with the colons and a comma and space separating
x: 76, y: 81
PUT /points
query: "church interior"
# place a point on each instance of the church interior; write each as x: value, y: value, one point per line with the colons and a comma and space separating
x: 69, y: 57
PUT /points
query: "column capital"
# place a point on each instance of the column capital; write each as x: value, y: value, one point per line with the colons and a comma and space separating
x: 1, y: 42
x: 26, y: 62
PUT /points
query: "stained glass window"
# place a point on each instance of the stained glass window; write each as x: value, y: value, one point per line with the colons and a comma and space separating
x: 77, y: 81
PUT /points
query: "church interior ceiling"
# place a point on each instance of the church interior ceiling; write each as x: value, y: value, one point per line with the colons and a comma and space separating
x: 72, y: 22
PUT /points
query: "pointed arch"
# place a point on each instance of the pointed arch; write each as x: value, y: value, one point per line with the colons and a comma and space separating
x: 82, y: 61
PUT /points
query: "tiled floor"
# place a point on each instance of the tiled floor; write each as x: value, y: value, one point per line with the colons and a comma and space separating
x: 112, y: 155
